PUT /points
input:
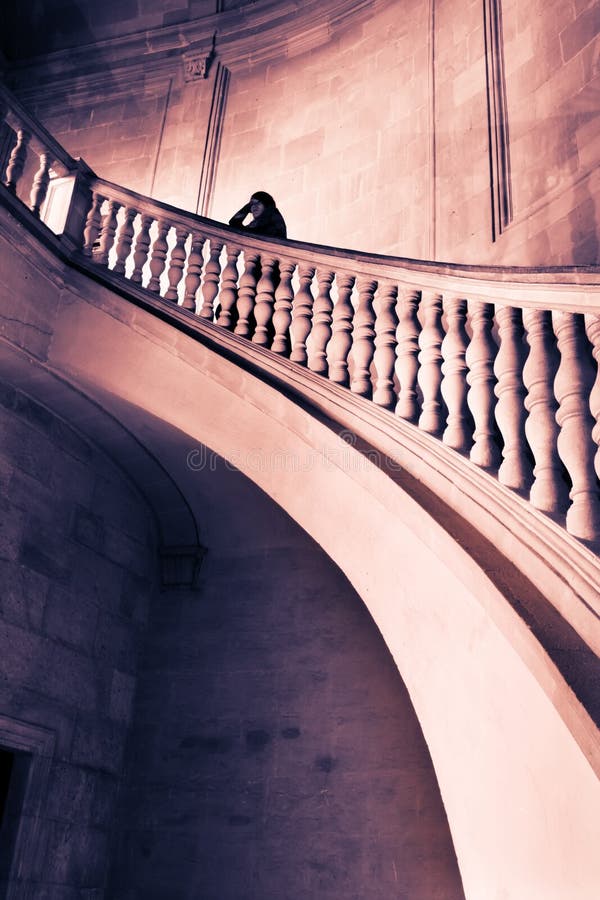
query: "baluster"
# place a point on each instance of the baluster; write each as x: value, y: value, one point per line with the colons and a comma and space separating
x: 142, y: 244
x: 175, y: 273
x: 107, y: 235
x: 407, y: 364
x: 93, y: 223
x: 341, y: 339
x: 592, y: 327
x: 431, y: 419
x: 17, y: 160
x: 480, y: 398
x: 265, y: 299
x: 321, y: 329
x: 229, y: 289
x: 125, y: 240
x: 210, y: 287
x: 386, y: 323
x: 454, y: 369
x: 159, y: 256
x: 515, y: 468
x: 246, y: 294
x: 572, y: 387
x: 549, y: 490
x: 363, y: 346
x: 194, y: 272
x: 302, y: 314
x: 40, y: 184
x: 282, y: 315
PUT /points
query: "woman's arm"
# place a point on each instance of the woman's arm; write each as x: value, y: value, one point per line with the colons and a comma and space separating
x: 240, y: 215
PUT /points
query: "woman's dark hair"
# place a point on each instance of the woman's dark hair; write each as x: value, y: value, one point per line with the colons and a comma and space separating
x: 263, y: 198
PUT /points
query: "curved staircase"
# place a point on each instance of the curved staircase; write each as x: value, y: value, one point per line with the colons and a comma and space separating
x: 434, y: 427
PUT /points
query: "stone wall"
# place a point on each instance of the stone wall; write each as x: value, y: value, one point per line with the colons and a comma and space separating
x: 340, y: 136
x: 383, y: 135
x: 148, y: 137
x: 76, y: 575
x: 548, y: 53
x: 275, y: 750
x: 75, y: 22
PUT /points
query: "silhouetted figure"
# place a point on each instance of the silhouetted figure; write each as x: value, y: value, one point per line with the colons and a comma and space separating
x: 266, y: 218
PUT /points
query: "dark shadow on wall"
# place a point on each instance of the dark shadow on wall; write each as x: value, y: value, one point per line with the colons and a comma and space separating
x: 276, y: 752
x: 47, y: 26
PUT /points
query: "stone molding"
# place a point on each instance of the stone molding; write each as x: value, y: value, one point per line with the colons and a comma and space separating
x: 212, y: 144
x: 498, y: 131
x: 242, y: 39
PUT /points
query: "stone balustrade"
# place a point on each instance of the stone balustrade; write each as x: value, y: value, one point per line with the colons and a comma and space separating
x: 500, y: 365
x: 31, y: 158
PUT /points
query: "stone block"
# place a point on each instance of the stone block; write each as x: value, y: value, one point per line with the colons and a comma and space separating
x: 103, y: 16
x: 98, y: 579
x: 303, y: 149
x: 106, y: 113
x: 88, y: 529
x: 143, y: 107
x: 98, y: 743
x: 116, y: 643
x: 128, y: 148
x: 8, y: 397
x: 12, y: 525
x: 67, y: 675
x: 126, y: 551
x: 580, y: 32
x: 122, y: 692
x: 80, y: 118
x: 46, y: 552
x: 22, y: 596
x: 52, y: 670
x: 33, y: 413
x: 105, y: 790
x: 136, y: 595
x: 27, y: 450
x: 70, y: 619
x: 76, y: 855
x: 67, y: 439
x: 33, y: 706
x: 37, y: 500
x: 70, y: 793
x: 120, y: 505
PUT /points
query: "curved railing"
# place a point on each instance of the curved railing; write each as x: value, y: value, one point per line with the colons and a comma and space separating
x: 501, y: 365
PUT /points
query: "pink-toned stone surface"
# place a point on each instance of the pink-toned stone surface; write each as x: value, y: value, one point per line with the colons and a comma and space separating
x: 339, y: 136
x: 550, y: 55
x: 376, y: 138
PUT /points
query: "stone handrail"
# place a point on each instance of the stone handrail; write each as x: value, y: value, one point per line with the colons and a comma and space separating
x: 31, y: 141
x: 501, y: 365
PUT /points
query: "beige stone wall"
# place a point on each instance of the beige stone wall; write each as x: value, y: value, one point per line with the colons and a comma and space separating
x: 343, y: 134
x: 550, y: 60
x: 150, y: 139
x: 340, y: 137
x: 552, y: 105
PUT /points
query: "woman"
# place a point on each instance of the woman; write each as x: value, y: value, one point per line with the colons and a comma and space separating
x: 266, y: 218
